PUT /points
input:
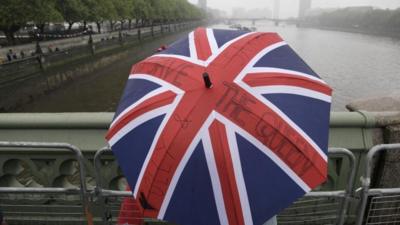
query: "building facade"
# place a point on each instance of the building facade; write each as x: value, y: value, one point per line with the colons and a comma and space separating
x: 202, y: 4
x: 276, y: 9
x: 304, y: 7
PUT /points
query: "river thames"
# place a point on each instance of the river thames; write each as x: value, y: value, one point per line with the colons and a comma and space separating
x: 356, y: 66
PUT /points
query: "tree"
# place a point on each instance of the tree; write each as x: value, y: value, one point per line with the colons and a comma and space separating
x: 142, y: 11
x: 43, y: 12
x: 183, y: 10
x: 394, y: 19
x: 124, y: 10
x: 101, y: 10
x: 160, y: 11
x: 72, y: 10
x: 366, y: 18
x: 13, y: 16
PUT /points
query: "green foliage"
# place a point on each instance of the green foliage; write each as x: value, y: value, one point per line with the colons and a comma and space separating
x: 159, y: 9
x: 394, y: 19
x: 124, y: 9
x: 44, y: 11
x: 174, y: 10
x: 366, y: 18
x: 73, y: 10
x: 142, y: 9
x: 101, y: 10
x: 15, y: 14
x: 19, y: 12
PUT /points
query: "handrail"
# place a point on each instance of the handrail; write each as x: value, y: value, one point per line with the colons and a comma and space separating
x: 98, y: 191
x: 97, y: 164
x: 79, y: 157
x: 350, y: 182
x: 102, y: 120
x: 37, y: 190
x: 346, y: 194
x: 366, y: 179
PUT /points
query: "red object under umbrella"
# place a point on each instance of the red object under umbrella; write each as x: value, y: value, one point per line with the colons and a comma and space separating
x: 161, y: 48
x: 130, y: 212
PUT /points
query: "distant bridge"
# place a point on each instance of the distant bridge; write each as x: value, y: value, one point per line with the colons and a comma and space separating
x: 254, y: 20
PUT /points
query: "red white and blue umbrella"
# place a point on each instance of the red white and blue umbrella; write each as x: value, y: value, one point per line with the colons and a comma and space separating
x: 222, y: 127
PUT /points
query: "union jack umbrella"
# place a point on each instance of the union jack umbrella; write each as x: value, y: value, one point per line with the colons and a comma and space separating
x: 222, y: 127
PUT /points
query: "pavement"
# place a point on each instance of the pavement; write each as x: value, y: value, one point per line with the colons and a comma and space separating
x: 64, y: 43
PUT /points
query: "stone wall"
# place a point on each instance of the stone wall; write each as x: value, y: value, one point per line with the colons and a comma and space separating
x: 387, y: 110
x: 21, y: 82
x: 25, y: 91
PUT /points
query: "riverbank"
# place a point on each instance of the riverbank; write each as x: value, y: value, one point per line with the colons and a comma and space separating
x: 27, y: 82
x: 66, y: 43
x: 374, y: 32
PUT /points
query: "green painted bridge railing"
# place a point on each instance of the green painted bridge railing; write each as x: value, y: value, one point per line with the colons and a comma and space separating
x: 356, y: 131
x: 43, y: 168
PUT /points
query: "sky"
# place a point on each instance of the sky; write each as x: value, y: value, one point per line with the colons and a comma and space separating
x: 289, y: 8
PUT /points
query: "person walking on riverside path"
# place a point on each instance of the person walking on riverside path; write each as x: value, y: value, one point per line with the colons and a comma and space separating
x: 10, y: 55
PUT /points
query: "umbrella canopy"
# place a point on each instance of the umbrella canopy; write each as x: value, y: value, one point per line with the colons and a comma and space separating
x: 222, y: 127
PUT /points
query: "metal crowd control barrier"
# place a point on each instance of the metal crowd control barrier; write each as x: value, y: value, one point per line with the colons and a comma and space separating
x: 302, y: 212
x: 109, y: 200
x: 35, y: 195
x: 323, y: 207
x: 384, y: 203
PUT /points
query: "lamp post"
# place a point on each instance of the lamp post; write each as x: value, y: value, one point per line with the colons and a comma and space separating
x: 39, y: 52
x: 90, y: 41
x: 37, y: 39
x: 90, y: 30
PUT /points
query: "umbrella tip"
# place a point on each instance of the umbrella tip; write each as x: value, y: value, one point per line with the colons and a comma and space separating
x: 207, y: 80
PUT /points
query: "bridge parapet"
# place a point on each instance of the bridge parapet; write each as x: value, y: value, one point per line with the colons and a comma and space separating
x: 353, y: 130
x: 44, y: 168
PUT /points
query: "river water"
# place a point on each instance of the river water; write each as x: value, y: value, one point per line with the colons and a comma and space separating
x: 356, y: 66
